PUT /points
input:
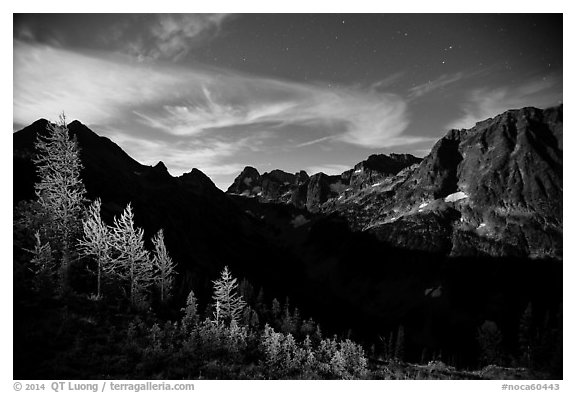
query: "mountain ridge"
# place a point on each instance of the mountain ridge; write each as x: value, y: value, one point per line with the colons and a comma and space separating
x: 493, y: 189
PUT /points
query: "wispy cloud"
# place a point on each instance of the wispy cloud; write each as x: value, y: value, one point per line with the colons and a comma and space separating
x: 435, y: 84
x: 368, y: 119
x: 483, y: 103
x: 208, y: 155
x: 314, y: 141
x: 387, y: 82
x: 328, y: 169
x: 168, y: 36
x: 186, y: 102
x: 197, y: 116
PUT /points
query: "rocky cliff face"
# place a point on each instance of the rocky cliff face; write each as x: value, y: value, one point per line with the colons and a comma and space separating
x: 248, y: 182
x: 494, y: 189
x: 379, y: 167
x: 311, y: 192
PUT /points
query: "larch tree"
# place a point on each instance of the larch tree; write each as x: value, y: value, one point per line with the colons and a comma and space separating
x: 163, y: 265
x: 60, y: 191
x: 131, y: 261
x: 42, y: 264
x: 190, y: 311
x: 96, y: 242
x: 229, y: 305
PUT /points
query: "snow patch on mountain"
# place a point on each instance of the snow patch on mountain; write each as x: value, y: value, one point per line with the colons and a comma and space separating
x: 455, y: 197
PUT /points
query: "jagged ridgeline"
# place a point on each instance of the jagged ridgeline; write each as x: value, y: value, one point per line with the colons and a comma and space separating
x: 495, y: 189
x: 447, y: 252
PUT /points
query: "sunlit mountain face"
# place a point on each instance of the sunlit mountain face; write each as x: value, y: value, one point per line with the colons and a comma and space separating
x: 314, y: 92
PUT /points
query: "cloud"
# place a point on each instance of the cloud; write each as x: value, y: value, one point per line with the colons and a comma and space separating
x: 432, y: 85
x: 189, y: 101
x: 186, y: 101
x: 314, y: 141
x: 329, y: 169
x: 205, y: 154
x: 172, y: 36
x: 49, y: 80
x: 368, y: 119
x: 483, y: 103
x: 209, y: 155
x: 196, y: 116
x: 388, y: 81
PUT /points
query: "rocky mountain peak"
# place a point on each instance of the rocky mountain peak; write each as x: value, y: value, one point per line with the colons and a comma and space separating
x: 247, y: 182
x: 493, y: 189
x: 161, y: 167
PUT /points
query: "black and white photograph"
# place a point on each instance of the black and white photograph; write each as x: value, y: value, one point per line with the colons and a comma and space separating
x: 288, y: 196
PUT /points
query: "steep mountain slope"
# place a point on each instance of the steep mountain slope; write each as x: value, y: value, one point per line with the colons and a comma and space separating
x: 495, y: 189
x: 204, y: 229
x: 311, y: 192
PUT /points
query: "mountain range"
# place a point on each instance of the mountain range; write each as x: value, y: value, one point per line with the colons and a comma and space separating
x: 469, y: 233
x: 495, y: 189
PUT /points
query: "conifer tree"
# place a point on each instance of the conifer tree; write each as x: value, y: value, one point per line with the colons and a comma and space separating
x: 260, y: 305
x: 490, y: 342
x: 308, y: 327
x: 191, y: 310
x: 60, y: 190
x: 296, y: 320
x: 318, y: 333
x: 246, y: 290
x: 131, y: 260
x: 42, y: 264
x: 390, y: 347
x: 163, y: 265
x: 526, y: 335
x: 250, y: 317
x: 275, y: 308
x: 96, y: 242
x: 399, y: 349
x: 229, y: 305
x: 287, y: 321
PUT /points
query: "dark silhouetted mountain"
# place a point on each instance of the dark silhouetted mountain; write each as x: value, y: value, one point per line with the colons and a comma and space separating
x: 204, y: 229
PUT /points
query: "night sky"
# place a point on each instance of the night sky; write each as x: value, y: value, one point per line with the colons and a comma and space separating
x: 318, y: 92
